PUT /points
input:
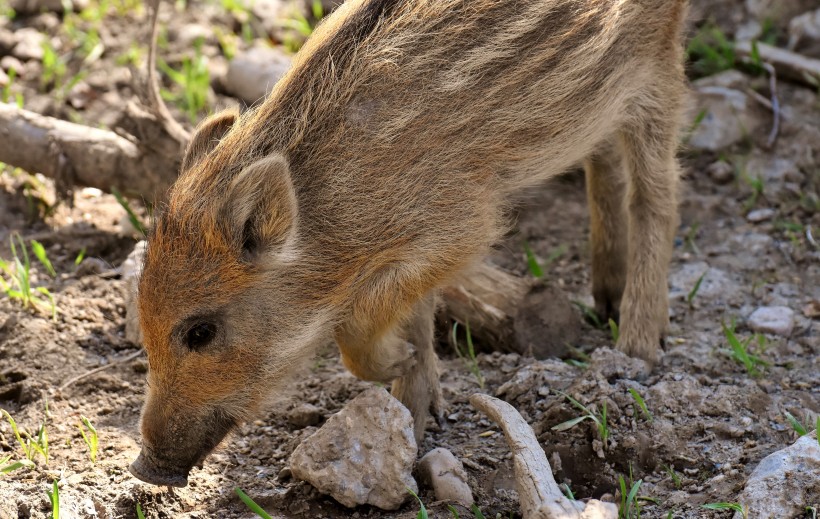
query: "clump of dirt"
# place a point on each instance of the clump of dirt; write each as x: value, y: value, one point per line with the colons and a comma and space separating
x: 708, y: 420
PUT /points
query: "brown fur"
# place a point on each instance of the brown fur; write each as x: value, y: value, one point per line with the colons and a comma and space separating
x: 398, y: 139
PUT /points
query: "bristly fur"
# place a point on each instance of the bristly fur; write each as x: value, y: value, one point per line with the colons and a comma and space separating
x: 405, y: 129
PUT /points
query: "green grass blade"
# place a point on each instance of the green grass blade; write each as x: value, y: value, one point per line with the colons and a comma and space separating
x: 795, y: 423
x: 132, y: 216
x: 15, y: 465
x: 453, y: 512
x: 140, y: 515
x: 251, y: 504
x: 476, y: 511
x: 54, y: 497
x: 532, y: 262
x: 570, y: 423
x: 613, y: 329
x: 641, y: 404
x: 422, y: 510
x: 40, y: 253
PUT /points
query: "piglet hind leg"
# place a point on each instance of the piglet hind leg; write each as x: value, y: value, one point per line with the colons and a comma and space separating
x: 648, y: 146
x: 418, y: 389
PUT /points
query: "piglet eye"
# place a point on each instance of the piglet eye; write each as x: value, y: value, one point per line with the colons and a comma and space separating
x: 200, y: 335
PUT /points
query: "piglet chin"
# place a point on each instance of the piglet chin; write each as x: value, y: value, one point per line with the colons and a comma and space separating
x: 145, y: 469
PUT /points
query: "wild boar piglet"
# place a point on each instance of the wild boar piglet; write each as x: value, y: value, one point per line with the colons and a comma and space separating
x: 380, y: 167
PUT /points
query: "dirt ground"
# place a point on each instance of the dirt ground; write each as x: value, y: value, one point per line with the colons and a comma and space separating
x: 747, y: 217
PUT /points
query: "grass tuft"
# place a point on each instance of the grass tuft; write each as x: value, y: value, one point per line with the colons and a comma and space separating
x: 469, y: 356
x: 589, y: 414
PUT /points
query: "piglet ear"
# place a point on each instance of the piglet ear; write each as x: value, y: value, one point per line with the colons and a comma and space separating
x: 261, y: 207
x: 207, y: 136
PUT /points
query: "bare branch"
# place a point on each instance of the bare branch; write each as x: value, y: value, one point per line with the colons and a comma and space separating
x: 73, y: 154
x: 787, y: 64
x: 154, y: 99
x: 539, y: 493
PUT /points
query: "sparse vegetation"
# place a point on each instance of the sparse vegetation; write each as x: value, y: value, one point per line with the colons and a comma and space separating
x: 468, y: 356
x: 630, y: 507
x: 589, y: 414
x: 193, y: 83
x: 19, y: 286
x: 741, y: 353
x: 641, y: 404
x: 690, y: 297
x: 31, y: 445
x: 89, y: 438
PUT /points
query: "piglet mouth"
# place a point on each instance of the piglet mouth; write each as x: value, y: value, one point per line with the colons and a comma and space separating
x: 151, y: 470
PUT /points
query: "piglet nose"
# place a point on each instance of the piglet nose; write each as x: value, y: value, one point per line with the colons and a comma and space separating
x: 150, y: 469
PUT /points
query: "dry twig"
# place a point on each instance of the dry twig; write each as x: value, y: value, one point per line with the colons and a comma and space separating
x: 539, y: 493
x: 94, y: 371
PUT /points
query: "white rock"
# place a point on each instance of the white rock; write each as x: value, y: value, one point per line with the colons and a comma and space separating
x: 251, y: 75
x: 727, y: 118
x: 440, y: 469
x: 804, y: 32
x: 761, y: 215
x: 130, y: 271
x: 29, y: 44
x: 777, y: 320
x: 364, y: 454
x: 785, y: 481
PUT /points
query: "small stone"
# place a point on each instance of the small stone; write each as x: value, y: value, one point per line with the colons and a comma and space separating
x: 726, y: 118
x: 251, y: 75
x: 721, y: 172
x: 130, y: 270
x: 760, y: 215
x: 785, y: 481
x: 777, y: 320
x: 804, y: 33
x: 364, y: 454
x: 29, y: 44
x: 9, y: 63
x: 304, y: 415
x: 189, y: 33
x: 4, y: 78
x: 440, y: 469
x: 90, y: 267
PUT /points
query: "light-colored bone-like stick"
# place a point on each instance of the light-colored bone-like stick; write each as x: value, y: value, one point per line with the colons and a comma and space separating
x: 540, y: 496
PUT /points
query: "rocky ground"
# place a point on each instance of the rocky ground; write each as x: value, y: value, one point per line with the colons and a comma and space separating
x: 748, y: 239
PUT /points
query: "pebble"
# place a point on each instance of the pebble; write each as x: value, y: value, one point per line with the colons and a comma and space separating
x: 721, y: 172
x: 440, y: 469
x: 8, y: 63
x: 777, y: 320
x: 364, y: 454
x: 760, y: 215
x: 29, y: 44
x: 728, y: 118
x: 251, y: 75
x: 304, y: 414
